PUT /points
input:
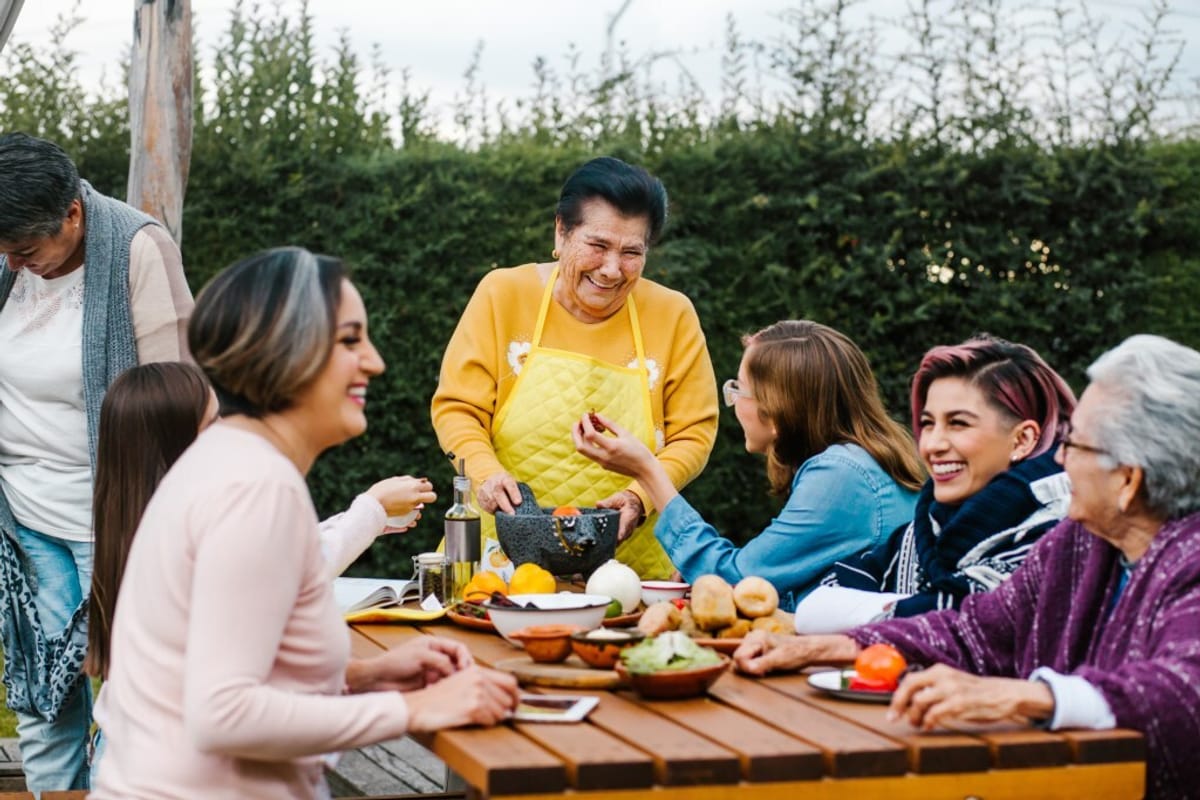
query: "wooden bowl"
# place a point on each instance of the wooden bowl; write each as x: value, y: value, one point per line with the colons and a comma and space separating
x: 669, y: 684
x: 546, y: 643
x: 601, y: 647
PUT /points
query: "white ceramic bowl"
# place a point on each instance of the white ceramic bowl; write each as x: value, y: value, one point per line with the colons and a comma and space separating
x: 657, y: 591
x: 564, y: 608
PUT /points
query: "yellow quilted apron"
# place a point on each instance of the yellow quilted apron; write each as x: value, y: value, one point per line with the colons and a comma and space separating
x: 531, y: 434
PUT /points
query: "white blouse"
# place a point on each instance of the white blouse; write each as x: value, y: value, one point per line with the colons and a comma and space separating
x: 45, y: 469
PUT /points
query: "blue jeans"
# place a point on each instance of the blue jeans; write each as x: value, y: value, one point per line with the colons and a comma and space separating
x: 54, y: 754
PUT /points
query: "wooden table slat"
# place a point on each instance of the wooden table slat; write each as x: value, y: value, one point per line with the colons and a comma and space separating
x: 765, y: 752
x: 1105, y: 747
x: 849, y: 750
x: 500, y: 761
x: 1024, y: 748
x: 681, y: 757
x: 594, y: 759
x: 928, y: 753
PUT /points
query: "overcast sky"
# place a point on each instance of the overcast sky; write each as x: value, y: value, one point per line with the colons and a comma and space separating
x: 435, y: 39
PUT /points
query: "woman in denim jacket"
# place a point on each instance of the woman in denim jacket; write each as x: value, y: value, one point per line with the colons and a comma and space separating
x: 807, y: 400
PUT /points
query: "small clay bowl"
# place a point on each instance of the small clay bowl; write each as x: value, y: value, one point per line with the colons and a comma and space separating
x: 601, y: 647
x: 546, y: 643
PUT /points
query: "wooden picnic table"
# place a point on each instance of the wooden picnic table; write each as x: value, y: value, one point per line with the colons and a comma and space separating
x: 762, y: 738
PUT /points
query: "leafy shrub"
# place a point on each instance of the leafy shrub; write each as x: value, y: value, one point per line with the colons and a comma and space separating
x: 970, y: 210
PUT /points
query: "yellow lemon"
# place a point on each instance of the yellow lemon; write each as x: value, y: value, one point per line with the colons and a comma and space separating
x: 482, y: 585
x: 529, y: 578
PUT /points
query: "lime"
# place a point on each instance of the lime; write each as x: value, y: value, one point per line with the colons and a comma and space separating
x: 613, y: 610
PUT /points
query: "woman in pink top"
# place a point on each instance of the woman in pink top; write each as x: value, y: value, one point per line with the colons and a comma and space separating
x: 230, y: 672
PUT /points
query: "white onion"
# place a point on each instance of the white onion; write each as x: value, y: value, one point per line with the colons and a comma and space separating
x: 619, y: 582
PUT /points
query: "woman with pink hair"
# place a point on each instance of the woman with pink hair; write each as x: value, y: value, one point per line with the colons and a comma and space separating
x: 986, y: 416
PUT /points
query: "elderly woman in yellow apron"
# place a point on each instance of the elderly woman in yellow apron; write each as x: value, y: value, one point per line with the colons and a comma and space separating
x: 540, y: 344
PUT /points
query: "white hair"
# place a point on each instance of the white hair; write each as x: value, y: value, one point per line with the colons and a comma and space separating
x: 1153, y: 421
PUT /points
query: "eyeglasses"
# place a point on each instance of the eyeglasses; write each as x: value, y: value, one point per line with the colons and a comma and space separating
x: 1064, y: 441
x: 732, y: 390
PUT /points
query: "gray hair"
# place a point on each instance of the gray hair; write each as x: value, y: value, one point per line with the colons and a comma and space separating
x: 264, y: 327
x: 38, y: 182
x: 1154, y: 419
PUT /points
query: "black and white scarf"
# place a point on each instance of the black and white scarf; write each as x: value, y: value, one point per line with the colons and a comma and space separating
x: 948, y: 552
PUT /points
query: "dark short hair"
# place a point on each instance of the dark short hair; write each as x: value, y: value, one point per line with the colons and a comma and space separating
x: 631, y: 190
x: 1014, y: 379
x: 38, y: 182
x: 263, y: 328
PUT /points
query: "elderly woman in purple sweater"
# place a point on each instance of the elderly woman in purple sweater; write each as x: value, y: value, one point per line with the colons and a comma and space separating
x: 1100, y: 627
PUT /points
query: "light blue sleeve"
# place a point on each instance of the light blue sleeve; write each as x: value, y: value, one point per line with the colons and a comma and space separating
x: 837, y: 508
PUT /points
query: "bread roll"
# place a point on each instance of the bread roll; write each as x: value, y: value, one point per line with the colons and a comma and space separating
x: 771, y: 624
x: 712, y: 603
x: 755, y: 597
x: 687, y: 623
x: 659, y: 618
x: 735, y: 631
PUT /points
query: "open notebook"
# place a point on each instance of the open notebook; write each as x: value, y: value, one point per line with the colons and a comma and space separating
x: 380, y: 600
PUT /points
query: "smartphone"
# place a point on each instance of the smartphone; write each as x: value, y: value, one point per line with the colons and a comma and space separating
x: 553, y: 707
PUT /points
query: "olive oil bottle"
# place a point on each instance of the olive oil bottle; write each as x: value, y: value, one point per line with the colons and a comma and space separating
x: 462, y: 538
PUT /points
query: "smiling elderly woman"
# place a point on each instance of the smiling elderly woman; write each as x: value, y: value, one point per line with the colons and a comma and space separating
x: 1098, y: 628
x: 541, y: 344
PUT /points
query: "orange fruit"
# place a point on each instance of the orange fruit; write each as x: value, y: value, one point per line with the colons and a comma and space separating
x: 482, y: 585
x: 566, y: 511
x: 881, y: 664
x: 529, y: 578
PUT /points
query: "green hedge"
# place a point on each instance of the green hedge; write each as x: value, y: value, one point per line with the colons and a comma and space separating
x: 971, y: 212
x: 765, y: 224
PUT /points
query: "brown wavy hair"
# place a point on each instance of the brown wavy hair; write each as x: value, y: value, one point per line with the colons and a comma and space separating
x: 150, y: 414
x: 816, y: 387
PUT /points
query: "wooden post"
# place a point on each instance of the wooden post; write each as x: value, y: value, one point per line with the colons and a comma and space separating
x: 160, y: 110
x: 9, y: 10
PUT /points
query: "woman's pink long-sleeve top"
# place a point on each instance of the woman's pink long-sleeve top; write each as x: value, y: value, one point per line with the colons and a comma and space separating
x: 228, y: 652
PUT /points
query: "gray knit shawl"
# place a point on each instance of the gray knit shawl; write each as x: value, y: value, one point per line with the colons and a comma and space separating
x: 40, y: 672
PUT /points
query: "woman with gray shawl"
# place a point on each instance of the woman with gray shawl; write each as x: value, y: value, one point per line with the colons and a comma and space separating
x: 88, y: 288
x: 1098, y: 627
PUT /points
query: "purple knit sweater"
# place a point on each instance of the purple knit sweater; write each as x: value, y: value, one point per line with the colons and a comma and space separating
x: 1144, y: 657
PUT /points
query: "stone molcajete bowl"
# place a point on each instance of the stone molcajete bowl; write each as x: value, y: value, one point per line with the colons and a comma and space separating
x: 562, y: 545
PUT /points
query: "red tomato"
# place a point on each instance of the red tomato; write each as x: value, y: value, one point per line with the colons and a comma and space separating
x: 880, y: 664
x: 566, y: 511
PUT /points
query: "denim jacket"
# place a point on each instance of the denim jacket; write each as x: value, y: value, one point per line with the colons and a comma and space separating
x: 842, y: 503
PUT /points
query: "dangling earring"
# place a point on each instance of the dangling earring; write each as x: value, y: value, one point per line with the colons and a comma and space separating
x: 554, y: 254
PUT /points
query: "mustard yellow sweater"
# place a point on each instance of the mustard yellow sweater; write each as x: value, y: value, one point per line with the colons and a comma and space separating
x: 496, y: 329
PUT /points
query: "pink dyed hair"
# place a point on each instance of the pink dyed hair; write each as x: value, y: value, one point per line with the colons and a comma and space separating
x: 1015, y: 380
